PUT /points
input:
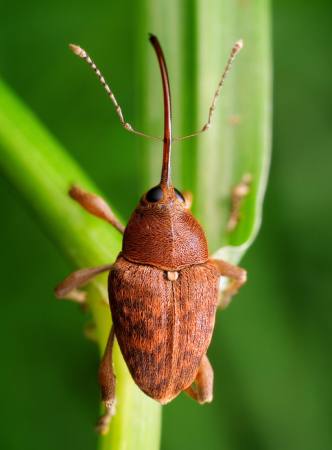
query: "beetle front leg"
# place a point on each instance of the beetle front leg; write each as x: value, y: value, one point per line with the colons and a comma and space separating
x: 96, y: 206
x: 202, y: 391
x: 68, y: 288
x: 238, y: 277
x: 107, y: 385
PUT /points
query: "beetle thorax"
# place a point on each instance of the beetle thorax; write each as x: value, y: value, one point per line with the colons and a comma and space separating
x: 166, y: 236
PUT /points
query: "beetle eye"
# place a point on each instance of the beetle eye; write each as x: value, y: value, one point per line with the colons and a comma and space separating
x: 154, y: 194
x: 179, y: 196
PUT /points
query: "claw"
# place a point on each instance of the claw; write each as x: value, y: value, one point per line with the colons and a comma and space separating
x: 104, y: 421
x: 76, y: 295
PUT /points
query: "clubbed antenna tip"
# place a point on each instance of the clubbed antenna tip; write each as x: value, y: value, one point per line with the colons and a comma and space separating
x: 238, y: 46
x: 77, y: 50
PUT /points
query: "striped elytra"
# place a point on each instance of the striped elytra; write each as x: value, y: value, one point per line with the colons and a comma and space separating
x: 163, y: 327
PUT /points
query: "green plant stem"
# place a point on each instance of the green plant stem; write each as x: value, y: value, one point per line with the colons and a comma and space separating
x: 42, y: 172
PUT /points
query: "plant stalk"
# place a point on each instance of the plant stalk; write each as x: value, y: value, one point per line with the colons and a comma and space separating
x: 36, y: 164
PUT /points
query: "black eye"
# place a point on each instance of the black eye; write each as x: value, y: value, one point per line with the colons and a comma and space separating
x: 154, y: 195
x: 179, y: 195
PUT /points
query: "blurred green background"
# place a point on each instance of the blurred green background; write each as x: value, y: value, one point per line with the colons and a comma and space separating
x: 273, y: 377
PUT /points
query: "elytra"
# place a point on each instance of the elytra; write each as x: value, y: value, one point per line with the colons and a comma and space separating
x: 163, y: 287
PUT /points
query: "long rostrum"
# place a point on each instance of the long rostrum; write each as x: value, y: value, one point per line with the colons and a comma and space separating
x: 166, y: 166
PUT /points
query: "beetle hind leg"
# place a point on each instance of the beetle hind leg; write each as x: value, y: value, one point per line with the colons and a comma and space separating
x: 202, y: 388
x: 238, y: 277
x: 107, y: 386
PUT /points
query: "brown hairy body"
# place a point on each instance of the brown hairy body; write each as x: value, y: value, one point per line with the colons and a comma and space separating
x: 163, y: 327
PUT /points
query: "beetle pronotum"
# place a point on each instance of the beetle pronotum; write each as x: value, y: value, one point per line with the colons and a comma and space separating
x: 163, y: 287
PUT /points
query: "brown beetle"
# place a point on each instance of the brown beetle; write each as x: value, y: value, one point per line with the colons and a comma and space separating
x: 163, y: 288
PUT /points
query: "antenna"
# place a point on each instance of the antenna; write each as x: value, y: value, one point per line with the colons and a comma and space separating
x: 235, y: 50
x: 84, y: 55
x: 167, y: 100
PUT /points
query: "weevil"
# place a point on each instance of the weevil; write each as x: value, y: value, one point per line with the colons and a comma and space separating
x: 163, y: 287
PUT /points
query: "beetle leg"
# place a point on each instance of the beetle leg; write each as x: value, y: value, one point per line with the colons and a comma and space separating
x: 239, y: 192
x: 68, y: 289
x: 95, y: 205
x: 107, y: 385
x: 238, y: 278
x: 202, y: 391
